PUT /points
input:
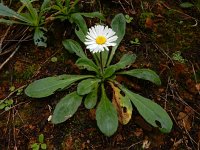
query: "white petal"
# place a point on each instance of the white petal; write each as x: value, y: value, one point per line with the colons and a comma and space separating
x: 89, y: 37
x: 92, y: 46
x: 111, y: 44
x: 106, y: 30
x: 89, y: 43
x: 112, y: 39
x: 94, y: 32
x: 110, y: 33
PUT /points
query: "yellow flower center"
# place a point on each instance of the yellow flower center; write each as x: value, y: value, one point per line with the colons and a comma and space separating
x: 100, y: 40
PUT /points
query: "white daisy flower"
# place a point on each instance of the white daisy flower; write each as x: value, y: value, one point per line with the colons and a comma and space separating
x: 99, y: 38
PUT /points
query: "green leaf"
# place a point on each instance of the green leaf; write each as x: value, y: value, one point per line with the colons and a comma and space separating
x: 80, y: 22
x: 86, y: 86
x: 39, y: 37
x: 91, y: 98
x: 125, y: 61
x: 41, y: 138
x: 43, y: 146
x: 118, y: 24
x: 7, y: 12
x: 85, y: 63
x: 109, y: 71
x: 2, y: 106
x: 79, y: 33
x: 145, y: 74
x: 74, y: 47
x: 106, y: 115
x: 35, y: 146
x: 7, y: 108
x: 9, y: 102
x: 66, y: 108
x: 45, y: 4
x: 186, y: 5
x: 93, y: 15
x: 9, y: 22
x: 47, y: 86
x: 151, y: 111
x: 54, y: 59
x: 32, y: 11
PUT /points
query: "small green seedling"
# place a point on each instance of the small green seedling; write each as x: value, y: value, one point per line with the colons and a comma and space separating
x: 177, y: 56
x: 6, y: 105
x: 40, y: 145
x: 128, y: 18
x: 12, y: 88
x: 54, y: 59
x: 136, y: 41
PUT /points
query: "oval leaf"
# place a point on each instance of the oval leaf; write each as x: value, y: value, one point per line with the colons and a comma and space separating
x: 109, y: 71
x: 86, y: 86
x: 186, y: 5
x: 145, y: 74
x: 47, y: 86
x: 91, y: 98
x: 79, y: 33
x: 118, y: 24
x: 93, y: 15
x: 85, y: 63
x: 125, y: 61
x: 80, y: 22
x: 74, y: 47
x: 67, y: 106
x: 150, y: 111
x: 106, y: 115
x: 122, y: 104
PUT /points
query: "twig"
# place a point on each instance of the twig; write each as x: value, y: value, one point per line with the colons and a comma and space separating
x: 2, y: 39
x: 159, y: 48
x: 1, y: 101
x: 45, y: 63
x: 195, y: 77
x: 15, y: 106
x: 13, y: 53
x: 196, y: 20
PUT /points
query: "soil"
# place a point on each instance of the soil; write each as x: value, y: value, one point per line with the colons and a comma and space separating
x: 163, y: 29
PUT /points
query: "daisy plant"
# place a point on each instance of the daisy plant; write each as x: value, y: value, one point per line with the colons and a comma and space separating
x: 98, y: 80
x: 33, y: 18
x: 37, y: 18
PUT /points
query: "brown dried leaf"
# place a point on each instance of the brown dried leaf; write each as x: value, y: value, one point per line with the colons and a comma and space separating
x: 184, y: 120
x: 149, y: 23
x: 122, y: 105
x: 138, y: 132
x: 197, y: 86
x: 69, y: 143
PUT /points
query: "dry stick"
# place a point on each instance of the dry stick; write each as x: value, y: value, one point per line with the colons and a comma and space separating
x: 14, y: 135
x: 13, y: 53
x: 134, y: 144
x: 1, y: 101
x: 14, y: 107
x: 159, y: 48
x: 195, y: 77
x: 196, y: 20
x: 188, y: 134
x: 45, y: 63
x: 15, y: 37
x: 2, y: 39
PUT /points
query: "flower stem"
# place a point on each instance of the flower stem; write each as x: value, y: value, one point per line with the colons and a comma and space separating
x: 102, y: 66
